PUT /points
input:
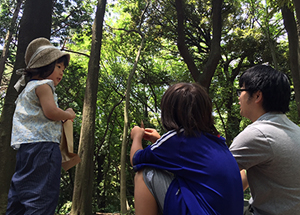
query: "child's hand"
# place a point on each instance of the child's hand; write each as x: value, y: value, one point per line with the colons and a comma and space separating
x: 137, y: 132
x: 151, y: 134
x: 71, y: 113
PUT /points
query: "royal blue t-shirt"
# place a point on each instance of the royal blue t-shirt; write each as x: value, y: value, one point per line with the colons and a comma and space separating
x: 207, y: 177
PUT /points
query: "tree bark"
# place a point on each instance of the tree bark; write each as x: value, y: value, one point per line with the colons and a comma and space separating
x: 294, y: 51
x: 123, y: 187
x: 8, y: 37
x: 204, y: 77
x: 125, y: 133
x: 36, y: 22
x: 183, y: 49
x: 83, y: 186
x: 297, y: 8
x: 215, y: 50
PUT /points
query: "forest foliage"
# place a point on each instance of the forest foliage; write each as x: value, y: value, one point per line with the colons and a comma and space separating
x: 252, y: 33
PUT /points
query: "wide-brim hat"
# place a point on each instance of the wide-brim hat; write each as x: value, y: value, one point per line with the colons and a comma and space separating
x: 40, y: 52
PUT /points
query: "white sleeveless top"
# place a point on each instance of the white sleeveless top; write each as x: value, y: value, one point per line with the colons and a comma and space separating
x: 30, y: 125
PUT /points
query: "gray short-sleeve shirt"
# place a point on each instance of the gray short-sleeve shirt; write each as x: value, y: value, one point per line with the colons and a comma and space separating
x: 269, y: 149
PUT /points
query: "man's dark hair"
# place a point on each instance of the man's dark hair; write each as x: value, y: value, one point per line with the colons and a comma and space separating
x: 274, y: 85
x: 187, y: 106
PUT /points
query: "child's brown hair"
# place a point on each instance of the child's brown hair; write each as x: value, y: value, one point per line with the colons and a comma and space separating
x: 187, y: 106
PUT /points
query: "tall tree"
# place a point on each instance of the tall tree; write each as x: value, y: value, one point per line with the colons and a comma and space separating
x: 36, y: 22
x: 82, y: 195
x: 123, y: 187
x: 294, y: 50
x: 8, y: 38
x: 204, y: 77
x: 297, y: 8
x: 125, y: 132
x: 266, y: 25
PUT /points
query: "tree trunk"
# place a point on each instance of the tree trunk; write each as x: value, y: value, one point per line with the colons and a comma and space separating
x: 205, y: 77
x: 123, y: 187
x: 297, y: 8
x: 215, y: 50
x: 125, y: 134
x: 266, y: 28
x: 36, y: 22
x: 233, y: 122
x: 294, y: 51
x: 8, y: 37
x: 183, y: 49
x: 83, y: 188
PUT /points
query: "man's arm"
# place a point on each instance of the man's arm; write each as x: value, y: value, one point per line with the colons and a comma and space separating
x: 244, y: 179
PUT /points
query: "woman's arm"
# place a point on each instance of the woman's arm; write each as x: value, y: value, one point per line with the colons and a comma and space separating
x: 136, y: 134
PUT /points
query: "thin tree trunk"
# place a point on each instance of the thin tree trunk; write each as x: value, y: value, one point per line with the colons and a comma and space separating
x: 83, y: 186
x: 271, y: 43
x: 125, y: 133
x: 36, y: 22
x: 297, y: 9
x: 123, y: 187
x: 8, y: 37
x: 294, y: 51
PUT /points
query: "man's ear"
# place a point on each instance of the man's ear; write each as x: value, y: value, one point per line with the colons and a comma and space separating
x: 258, y: 97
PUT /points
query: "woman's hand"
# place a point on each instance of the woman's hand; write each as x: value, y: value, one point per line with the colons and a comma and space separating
x: 151, y: 134
x: 137, y: 133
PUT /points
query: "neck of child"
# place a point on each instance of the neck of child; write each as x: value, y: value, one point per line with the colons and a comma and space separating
x: 36, y: 77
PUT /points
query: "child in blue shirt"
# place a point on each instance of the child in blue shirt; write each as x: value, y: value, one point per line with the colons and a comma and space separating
x: 36, y: 132
x: 189, y: 169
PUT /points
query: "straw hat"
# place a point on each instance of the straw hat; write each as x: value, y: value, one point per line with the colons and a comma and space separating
x: 40, y: 52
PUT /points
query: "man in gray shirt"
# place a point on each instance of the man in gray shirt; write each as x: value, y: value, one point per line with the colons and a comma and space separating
x: 269, y: 148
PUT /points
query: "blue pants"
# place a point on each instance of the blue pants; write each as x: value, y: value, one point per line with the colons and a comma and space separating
x: 35, y: 184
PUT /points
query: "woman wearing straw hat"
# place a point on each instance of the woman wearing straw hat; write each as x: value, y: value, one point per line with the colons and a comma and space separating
x: 37, y: 126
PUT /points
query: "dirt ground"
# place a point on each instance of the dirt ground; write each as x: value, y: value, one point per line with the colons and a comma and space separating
x: 99, y: 213
x: 107, y: 213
